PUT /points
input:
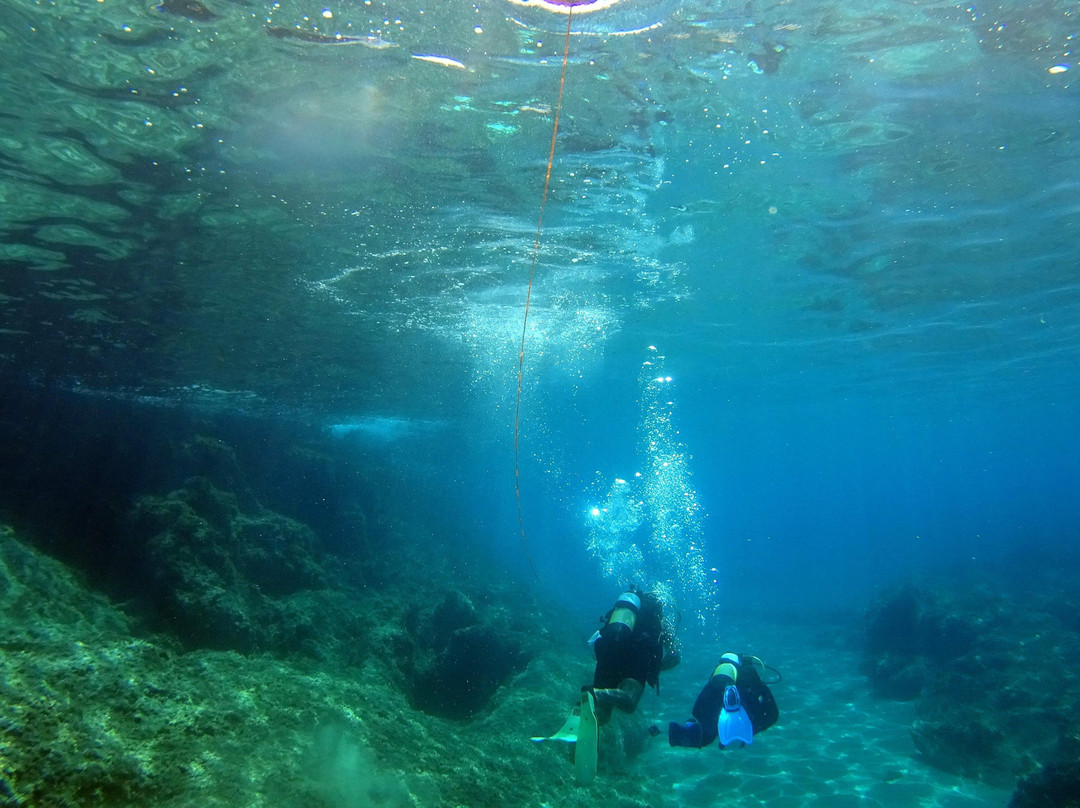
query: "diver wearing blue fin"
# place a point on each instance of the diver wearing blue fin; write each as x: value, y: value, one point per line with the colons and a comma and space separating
x: 734, y: 725
x: 734, y: 705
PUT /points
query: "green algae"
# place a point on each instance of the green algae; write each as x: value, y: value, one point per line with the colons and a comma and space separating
x: 96, y: 711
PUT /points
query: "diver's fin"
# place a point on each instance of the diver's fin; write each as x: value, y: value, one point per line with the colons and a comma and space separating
x: 568, y: 731
x: 585, y: 748
x: 734, y: 724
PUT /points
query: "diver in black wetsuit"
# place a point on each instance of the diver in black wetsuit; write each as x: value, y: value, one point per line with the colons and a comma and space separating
x: 734, y: 705
x: 631, y: 649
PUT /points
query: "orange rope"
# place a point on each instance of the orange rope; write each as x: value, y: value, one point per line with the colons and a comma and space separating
x: 528, y: 295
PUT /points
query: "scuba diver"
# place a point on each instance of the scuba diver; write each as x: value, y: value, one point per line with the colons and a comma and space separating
x: 733, y: 706
x: 631, y: 648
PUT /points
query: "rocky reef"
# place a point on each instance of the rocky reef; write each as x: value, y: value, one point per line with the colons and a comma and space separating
x: 1056, y: 784
x: 219, y: 577
x: 453, y: 655
x: 993, y: 668
x: 97, y: 709
x: 175, y: 638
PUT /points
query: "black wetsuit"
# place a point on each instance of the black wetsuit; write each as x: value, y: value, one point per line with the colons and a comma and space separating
x: 754, y: 694
x: 639, y: 655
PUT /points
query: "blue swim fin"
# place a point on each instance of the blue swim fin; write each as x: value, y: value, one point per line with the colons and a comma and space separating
x: 734, y: 725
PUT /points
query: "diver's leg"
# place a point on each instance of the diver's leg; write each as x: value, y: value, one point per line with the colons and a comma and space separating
x: 700, y: 730
x: 626, y: 696
x: 634, y: 690
x: 602, y: 710
x: 709, y: 704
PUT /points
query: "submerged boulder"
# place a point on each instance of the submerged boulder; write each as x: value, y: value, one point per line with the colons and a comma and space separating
x: 455, y: 656
x: 460, y: 678
x: 910, y: 632
x: 1053, y: 786
x: 995, y: 675
x: 217, y: 576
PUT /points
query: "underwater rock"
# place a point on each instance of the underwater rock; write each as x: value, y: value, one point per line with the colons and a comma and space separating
x: 957, y: 746
x: 434, y: 626
x: 218, y: 577
x: 276, y: 555
x: 1056, y: 785
x: 995, y: 675
x: 460, y: 680
x: 456, y: 656
x: 59, y: 662
x: 907, y: 632
x: 212, y: 458
x: 95, y: 713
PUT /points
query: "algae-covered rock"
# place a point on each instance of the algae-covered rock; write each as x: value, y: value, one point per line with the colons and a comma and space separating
x: 459, y: 680
x: 59, y: 687
x: 454, y: 656
x: 91, y: 714
x: 93, y: 711
x: 219, y: 577
x: 215, y: 460
x: 909, y: 631
x: 995, y: 675
x: 1054, y: 786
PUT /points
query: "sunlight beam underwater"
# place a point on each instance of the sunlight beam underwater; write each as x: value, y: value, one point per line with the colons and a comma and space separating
x: 569, y: 9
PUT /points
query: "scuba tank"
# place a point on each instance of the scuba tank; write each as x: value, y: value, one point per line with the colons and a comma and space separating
x: 620, y: 621
x: 728, y: 666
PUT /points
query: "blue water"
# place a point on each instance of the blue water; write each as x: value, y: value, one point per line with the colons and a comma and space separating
x: 822, y: 502
x: 849, y: 230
